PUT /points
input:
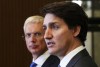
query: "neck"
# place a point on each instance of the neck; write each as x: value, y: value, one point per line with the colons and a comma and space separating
x: 35, y: 56
x: 72, y: 46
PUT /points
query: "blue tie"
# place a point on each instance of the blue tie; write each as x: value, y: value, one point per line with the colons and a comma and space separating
x: 59, y: 66
x: 33, y: 64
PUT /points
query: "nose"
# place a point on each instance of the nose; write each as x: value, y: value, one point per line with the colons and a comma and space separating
x: 48, y: 34
x: 33, y: 39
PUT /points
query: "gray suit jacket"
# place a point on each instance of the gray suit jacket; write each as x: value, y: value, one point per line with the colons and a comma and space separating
x: 82, y: 59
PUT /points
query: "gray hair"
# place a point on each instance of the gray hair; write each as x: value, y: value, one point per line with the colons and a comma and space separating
x: 33, y: 19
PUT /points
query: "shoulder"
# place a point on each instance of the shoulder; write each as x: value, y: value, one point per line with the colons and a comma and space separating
x: 82, y: 59
x: 85, y: 60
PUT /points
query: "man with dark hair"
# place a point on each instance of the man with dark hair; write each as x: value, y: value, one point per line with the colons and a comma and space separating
x: 65, y: 26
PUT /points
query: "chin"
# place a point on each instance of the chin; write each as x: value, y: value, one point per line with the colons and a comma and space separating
x: 52, y: 52
x: 33, y: 51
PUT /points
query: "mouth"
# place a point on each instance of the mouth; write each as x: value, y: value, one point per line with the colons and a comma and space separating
x: 50, y: 44
x: 33, y: 46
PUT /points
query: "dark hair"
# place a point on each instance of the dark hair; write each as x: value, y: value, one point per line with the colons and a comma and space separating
x: 72, y: 14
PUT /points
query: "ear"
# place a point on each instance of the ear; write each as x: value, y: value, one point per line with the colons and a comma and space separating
x: 76, y: 31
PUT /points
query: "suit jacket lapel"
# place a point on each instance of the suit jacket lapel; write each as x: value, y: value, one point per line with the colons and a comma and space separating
x: 52, y: 61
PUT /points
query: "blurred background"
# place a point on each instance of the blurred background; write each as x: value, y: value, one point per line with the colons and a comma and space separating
x: 13, y: 51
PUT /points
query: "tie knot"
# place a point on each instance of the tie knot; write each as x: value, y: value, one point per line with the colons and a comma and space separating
x: 59, y: 66
x: 33, y: 64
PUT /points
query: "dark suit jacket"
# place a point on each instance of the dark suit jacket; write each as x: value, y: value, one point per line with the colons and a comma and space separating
x: 52, y: 61
x: 82, y: 59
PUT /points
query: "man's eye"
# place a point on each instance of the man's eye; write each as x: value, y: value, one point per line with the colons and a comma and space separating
x: 28, y: 35
x: 37, y: 34
x: 55, y: 27
x: 44, y: 27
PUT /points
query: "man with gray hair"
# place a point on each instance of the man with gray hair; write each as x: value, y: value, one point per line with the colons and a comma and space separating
x: 33, y: 30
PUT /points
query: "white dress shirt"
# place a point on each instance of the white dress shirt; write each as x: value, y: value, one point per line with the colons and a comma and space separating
x: 41, y: 59
x: 69, y: 56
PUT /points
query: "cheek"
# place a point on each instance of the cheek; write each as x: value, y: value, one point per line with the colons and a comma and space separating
x: 27, y: 43
x: 59, y: 37
x: 42, y: 42
x: 62, y: 37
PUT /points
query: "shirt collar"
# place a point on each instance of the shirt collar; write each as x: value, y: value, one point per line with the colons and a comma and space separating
x: 41, y: 59
x: 69, y: 56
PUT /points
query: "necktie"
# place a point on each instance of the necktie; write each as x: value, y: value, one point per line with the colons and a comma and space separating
x: 33, y: 64
x: 59, y: 66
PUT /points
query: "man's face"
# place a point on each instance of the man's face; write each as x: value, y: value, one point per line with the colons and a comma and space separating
x: 58, y: 36
x: 34, y: 38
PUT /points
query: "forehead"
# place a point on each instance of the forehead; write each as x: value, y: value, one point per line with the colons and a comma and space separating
x: 31, y: 27
x: 51, y: 18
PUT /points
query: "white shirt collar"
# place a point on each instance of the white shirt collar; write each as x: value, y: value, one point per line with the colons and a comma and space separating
x: 69, y: 56
x: 41, y: 59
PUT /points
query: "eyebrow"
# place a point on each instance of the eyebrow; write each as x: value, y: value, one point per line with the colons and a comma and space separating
x: 51, y: 23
